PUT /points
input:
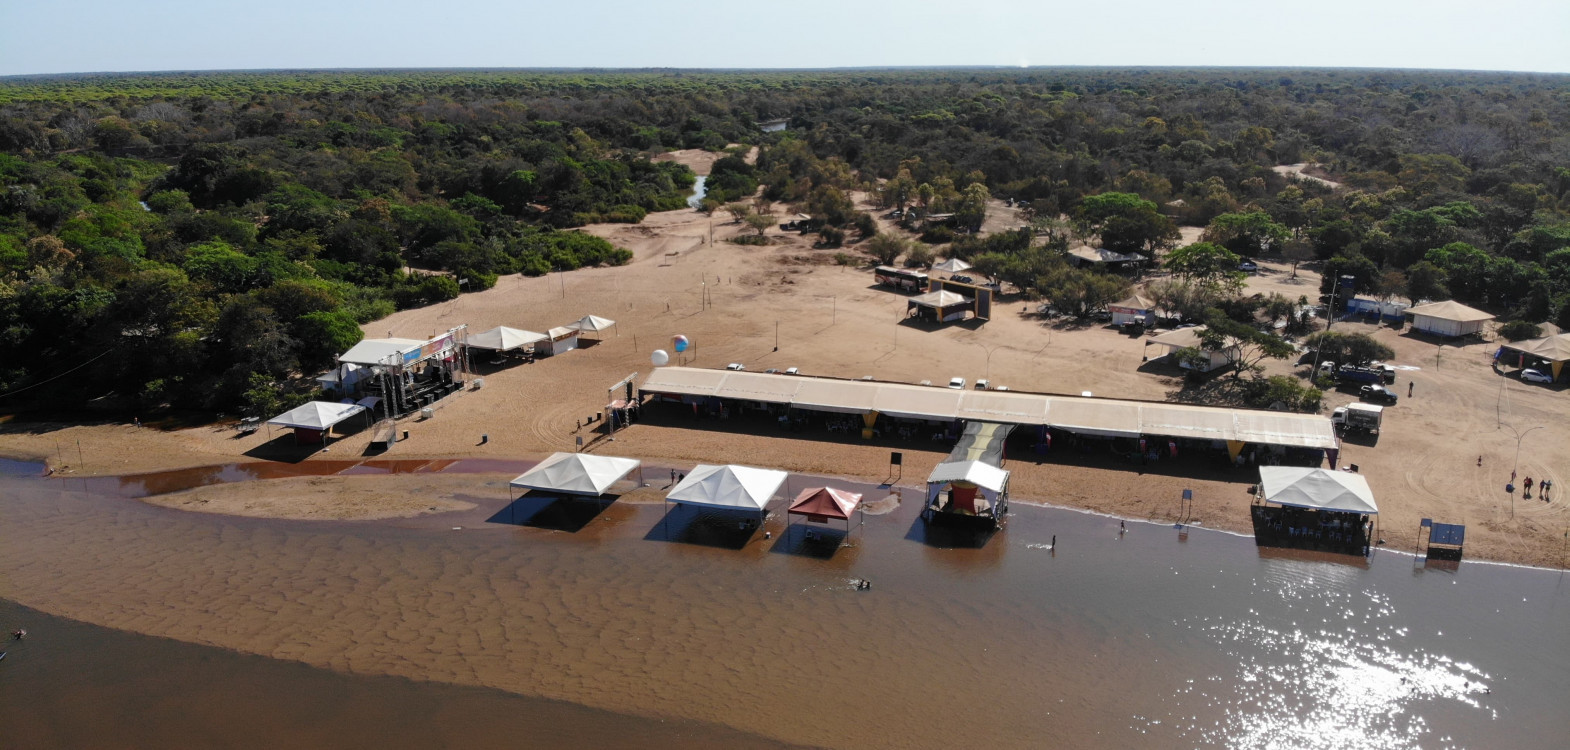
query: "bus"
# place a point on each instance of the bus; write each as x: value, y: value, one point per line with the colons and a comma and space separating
x: 906, y: 280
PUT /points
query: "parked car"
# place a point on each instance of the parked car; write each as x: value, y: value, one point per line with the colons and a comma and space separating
x: 1358, y: 417
x: 1248, y: 265
x: 958, y: 383
x: 982, y: 385
x: 1134, y: 328
x: 793, y: 371
x: 771, y: 371
x: 1378, y: 394
x: 1388, y: 371
x: 1536, y: 376
x: 735, y: 366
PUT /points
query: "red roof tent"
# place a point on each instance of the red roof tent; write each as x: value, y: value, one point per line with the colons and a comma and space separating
x: 822, y: 503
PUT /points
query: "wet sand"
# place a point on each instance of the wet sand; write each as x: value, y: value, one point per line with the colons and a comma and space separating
x: 93, y: 687
x: 1155, y: 637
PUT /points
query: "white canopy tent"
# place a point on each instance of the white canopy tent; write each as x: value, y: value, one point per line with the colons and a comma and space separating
x: 576, y: 473
x: 502, y: 338
x: 729, y: 487
x: 952, y: 265
x: 314, y: 420
x: 1317, y: 489
x: 592, y: 324
x: 965, y: 480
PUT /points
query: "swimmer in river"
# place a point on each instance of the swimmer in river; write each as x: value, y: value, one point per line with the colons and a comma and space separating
x: 19, y: 634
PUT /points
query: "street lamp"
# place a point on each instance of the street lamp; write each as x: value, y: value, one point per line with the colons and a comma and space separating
x: 1519, y: 436
x: 989, y: 350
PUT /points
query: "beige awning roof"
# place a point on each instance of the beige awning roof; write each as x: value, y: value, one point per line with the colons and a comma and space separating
x: 502, y: 338
x: 1321, y: 489
x: 1135, y: 302
x: 1091, y: 416
x: 1450, y: 310
x: 940, y: 298
x: 1180, y: 338
x: 1551, y: 348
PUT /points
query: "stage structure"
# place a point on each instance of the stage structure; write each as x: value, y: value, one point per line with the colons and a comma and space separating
x: 972, y: 481
x: 412, y: 374
x: 980, y: 295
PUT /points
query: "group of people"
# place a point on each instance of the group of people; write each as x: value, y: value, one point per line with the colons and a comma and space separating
x: 1542, y: 488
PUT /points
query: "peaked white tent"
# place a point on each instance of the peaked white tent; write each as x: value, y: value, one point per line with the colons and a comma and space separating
x: 312, y: 421
x: 592, y: 324
x: 1317, y: 489
x: 952, y: 265
x: 502, y: 338
x: 729, y: 487
x: 576, y: 473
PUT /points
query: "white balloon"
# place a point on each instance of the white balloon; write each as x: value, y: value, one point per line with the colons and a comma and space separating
x: 660, y: 358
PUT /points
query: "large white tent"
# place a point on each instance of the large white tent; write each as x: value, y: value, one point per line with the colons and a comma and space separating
x: 729, y: 487
x: 952, y: 265
x: 312, y: 421
x: 502, y: 338
x: 576, y: 473
x: 1318, y: 489
x: 1448, y: 318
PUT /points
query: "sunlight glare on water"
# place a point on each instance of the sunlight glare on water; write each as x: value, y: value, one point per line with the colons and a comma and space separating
x: 1333, y: 675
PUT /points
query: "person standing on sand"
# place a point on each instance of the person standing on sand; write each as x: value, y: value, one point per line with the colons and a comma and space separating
x: 1409, y: 385
x: 1528, y: 487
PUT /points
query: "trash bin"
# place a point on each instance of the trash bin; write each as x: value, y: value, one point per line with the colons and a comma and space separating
x: 427, y: 413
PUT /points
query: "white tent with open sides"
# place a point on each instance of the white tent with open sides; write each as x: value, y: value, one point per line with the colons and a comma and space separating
x: 1317, y: 489
x: 593, y: 324
x: 728, y: 487
x: 576, y: 473
x: 311, y: 422
x: 502, y: 338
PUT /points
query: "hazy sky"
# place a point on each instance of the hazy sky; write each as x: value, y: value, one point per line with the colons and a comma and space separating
x: 61, y: 36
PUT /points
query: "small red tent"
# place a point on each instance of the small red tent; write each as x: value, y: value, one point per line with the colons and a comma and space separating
x: 819, y: 504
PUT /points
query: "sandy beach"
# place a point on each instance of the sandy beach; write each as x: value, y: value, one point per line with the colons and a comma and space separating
x: 1445, y: 454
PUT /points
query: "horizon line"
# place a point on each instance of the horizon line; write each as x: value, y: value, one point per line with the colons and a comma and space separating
x: 838, y: 69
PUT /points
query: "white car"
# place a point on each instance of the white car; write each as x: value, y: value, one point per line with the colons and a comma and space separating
x: 1536, y: 376
x: 735, y: 366
x: 958, y: 383
x: 792, y: 371
x: 982, y: 385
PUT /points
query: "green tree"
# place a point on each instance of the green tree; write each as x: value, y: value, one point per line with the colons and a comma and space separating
x: 1348, y: 348
x: 1424, y: 280
x: 759, y: 222
x: 1250, y: 233
x: 1125, y: 222
x: 1249, y: 345
x: 886, y: 248
x: 1208, y: 265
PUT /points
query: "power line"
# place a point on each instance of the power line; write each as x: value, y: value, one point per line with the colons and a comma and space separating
x: 57, y: 377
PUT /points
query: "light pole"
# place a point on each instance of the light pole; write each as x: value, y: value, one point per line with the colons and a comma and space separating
x: 989, y: 350
x: 1519, y: 436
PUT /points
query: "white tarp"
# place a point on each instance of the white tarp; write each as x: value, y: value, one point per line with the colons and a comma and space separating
x: 940, y: 298
x: 983, y: 475
x: 1321, y: 489
x: 576, y: 473
x: 376, y: 351
x: 502, y: 338
x: 729, y: 486
x: 952, y: 265
x: 592, y: 323
x: 316, y: 415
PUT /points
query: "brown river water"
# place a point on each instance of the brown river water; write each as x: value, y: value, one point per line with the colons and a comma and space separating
x: 557, y: 624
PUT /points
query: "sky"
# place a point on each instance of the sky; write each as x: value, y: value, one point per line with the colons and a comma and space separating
x: 74, y: 36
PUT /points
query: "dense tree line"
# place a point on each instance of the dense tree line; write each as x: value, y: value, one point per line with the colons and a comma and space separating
x: 198, y: 238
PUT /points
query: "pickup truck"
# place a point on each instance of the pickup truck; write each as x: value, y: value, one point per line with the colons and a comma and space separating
x: 1378, y: 393
x: 1358, y: 418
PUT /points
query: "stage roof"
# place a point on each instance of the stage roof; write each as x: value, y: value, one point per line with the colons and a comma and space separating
x: 825, y: 501
x: 983, y: 475
x: 1091, y: 416
x: 376, y: 351
x: 952, y: 265
x: 1135, y: 302
x: 576, y: 473
x: 316, y: 415
x: 940, y: 298
x: 1320, y: 489
x: 729, y: 486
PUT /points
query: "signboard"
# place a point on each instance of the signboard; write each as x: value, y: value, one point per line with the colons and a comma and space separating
x: 896, y: 458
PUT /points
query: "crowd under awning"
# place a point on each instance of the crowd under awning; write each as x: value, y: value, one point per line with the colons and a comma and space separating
x: 1080, y: 414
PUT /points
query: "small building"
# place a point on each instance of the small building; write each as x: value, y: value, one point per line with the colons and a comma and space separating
x: 559, y: 340
x: 1135, y: 309
x: 1193, y: 338
x: 1369, y: 308
x: 1448, y: 318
